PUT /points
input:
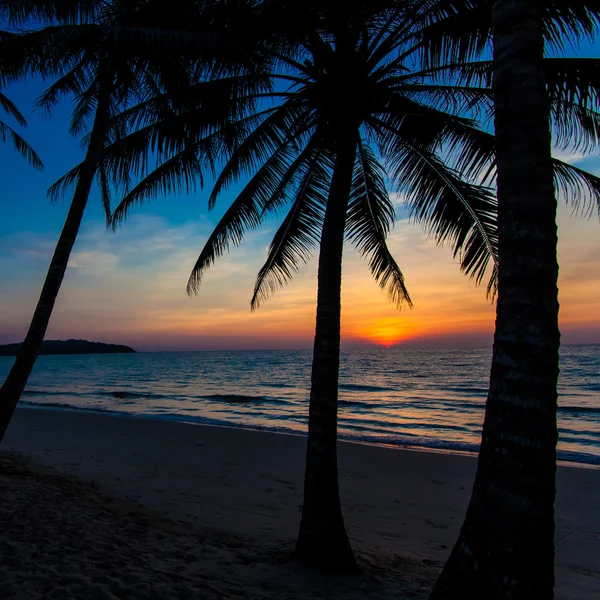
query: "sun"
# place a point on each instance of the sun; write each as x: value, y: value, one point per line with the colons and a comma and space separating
x: 387, y: 331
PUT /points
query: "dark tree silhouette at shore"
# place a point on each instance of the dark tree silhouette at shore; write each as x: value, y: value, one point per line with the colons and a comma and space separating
x: 506, y: 544
x: 78, y: 50
x: 71, y: 12
x: 108, y: 56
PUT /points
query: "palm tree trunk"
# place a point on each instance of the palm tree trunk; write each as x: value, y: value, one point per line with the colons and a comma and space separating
x: 505, y: 548
x: 15, y: 383
x: 322, y: 540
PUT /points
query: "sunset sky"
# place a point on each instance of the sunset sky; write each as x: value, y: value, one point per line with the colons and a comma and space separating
x: 129, y: 286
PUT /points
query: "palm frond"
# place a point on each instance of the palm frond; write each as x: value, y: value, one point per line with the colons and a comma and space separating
x: 7, y: 134
x: 368, y: 221
x: 570, y: 21
x: 105, y: 194
x: 252, y: 148
x: 460, y: 30
x: 467, y: 148
x: 10, y: 108
x: 181, y: 174
x: 17, y: 12
x: 272, y: 184
x: 453, y: 99
x: 243, y: 214
x: 299, y: 233
x: 61, y: 186
x: 579, y: 188
x: 453, y: 210
x: 574, y: 93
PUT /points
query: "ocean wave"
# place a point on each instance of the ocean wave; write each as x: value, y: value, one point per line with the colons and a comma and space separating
x: 468, y: 390
x: 579, y: 409
x: 238, y: 398
x: 354, y: 387
x: 71, y: 407
x: 48, y: 393
x: 276, y: 385
x: 127, y: 395
x: 355, y: 404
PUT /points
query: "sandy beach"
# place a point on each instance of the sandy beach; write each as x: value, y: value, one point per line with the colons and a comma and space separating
x: 99, y: 506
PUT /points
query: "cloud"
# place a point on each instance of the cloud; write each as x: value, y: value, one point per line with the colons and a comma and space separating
x: 573, y: 157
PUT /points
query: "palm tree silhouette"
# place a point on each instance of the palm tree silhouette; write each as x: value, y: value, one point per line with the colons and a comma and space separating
x: 87, y: 65
x: 334, y: 106
x: 109, y: 56
x: 506, y: 544
x: 346, y: 108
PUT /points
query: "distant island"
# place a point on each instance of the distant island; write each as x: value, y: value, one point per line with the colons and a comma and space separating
x: 70, y: 347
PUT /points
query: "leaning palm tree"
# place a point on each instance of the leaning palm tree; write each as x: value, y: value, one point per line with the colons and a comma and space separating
x: 109, y: 56
x: 346, y: 106
x: 97, y: 99
x: 81, y: 54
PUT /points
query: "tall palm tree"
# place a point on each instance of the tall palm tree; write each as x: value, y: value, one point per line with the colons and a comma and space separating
x: 97, y: 100
x: 506, y: 544
x: 17, y: 13
x: 87, y: 65
x: 316, y: 135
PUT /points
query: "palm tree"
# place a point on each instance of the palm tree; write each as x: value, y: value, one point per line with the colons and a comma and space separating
x: 88, y: 66
x: 118, y: 54
x: 96, y: 99
x: 506, y: 544
x: 308, y: 147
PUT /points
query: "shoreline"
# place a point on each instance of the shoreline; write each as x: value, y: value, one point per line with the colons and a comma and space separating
x: 593, y: 460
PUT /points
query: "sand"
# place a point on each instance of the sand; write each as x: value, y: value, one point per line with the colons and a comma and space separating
x: 112, y: 507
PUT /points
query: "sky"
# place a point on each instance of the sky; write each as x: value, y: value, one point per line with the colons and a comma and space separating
x: 129, y: 286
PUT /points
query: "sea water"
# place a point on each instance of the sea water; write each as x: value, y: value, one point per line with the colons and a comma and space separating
x: 397, y: 396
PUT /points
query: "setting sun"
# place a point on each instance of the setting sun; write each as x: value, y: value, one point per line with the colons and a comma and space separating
x: 387, y: 331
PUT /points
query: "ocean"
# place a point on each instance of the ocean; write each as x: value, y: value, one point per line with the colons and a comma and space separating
x: 399, y: 396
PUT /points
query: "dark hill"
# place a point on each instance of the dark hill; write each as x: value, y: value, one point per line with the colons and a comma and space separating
x: 70, y: 347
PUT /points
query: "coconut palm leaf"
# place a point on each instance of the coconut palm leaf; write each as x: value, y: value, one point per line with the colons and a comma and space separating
x: 579, y: 188
x: 10, y: 109
x: 299, y: 234
x: 368, y: 222
x: 252, y: 148
x: 17, y: 12
x: 453, y: 210
x: 8, y: 134
x: 459, y: 30
x: 181, y: 174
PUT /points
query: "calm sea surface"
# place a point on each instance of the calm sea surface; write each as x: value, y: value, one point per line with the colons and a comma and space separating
x: 403, y: 397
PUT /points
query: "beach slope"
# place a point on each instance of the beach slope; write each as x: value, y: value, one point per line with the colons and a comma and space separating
x: 222, y: 506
